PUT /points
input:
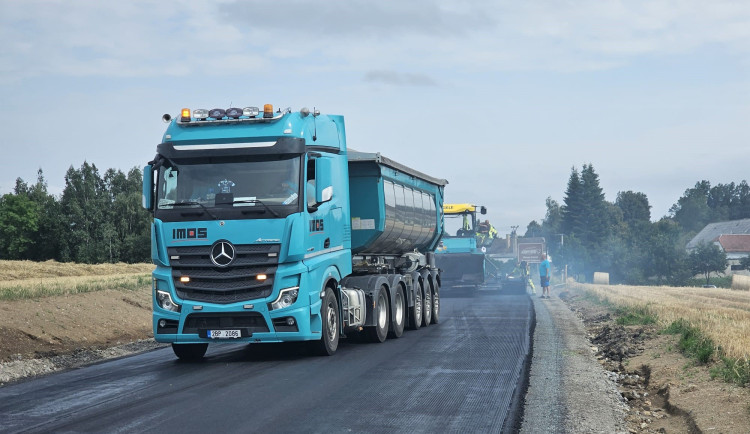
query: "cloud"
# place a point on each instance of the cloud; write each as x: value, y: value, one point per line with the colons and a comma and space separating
x: 170, y: 38
x: 399, y: 78
x: 360, y: 19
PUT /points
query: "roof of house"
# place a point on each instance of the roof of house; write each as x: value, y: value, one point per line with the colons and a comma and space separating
x: 712, y: 231
x: 735, y: 243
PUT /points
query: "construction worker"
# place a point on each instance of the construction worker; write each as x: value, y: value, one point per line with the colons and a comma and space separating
x: 492, y: 231
x: 527, y: 276
x: 486, y: 233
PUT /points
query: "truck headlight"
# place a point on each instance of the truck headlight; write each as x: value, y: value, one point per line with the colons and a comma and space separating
x: 286, y: 298
x: 165, y: 301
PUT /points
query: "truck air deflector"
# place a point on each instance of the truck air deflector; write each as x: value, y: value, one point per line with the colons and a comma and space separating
x: 199, y: 149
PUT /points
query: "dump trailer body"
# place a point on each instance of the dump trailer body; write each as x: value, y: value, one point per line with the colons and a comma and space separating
x: 394, y: 209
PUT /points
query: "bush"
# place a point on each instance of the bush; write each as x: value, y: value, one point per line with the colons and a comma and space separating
x: 733, y: 371
x: 635, y: 316
x: 720, y: 282
x: 692, y: 342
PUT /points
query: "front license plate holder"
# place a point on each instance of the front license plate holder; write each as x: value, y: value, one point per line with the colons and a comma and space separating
x: 223, y: 334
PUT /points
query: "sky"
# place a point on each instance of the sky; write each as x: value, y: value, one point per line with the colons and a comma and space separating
x: 501, y: 98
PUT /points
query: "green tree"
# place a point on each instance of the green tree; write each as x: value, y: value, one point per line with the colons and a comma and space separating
x: 18, y: 223
x: 691, y: 210
x: 85, y: 205
x: 572, y: 205
x: 587, y: 218
x: 745, y: 263
x: 46, y: 240
x: 533, y: 229
x: 634, y: 206
x: 130, y: 223
x: 708, y: 258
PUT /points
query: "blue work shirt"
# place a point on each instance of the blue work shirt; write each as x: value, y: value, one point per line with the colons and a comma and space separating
x: 545, y: 269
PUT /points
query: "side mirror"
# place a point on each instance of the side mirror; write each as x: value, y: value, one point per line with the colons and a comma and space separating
x: 148, y: 188
x: 323, y: 180
x: 483, y: 210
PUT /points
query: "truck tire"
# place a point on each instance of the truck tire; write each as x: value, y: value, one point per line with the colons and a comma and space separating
x: 398, y: 322
x: 436, y: 304
x: 190, y: 352
x: 381, y: 315
x: 329, y: 335
x: 427, y: 306
x: 415, y: 312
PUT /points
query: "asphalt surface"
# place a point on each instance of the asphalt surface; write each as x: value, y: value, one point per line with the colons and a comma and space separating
x: 466, y: 374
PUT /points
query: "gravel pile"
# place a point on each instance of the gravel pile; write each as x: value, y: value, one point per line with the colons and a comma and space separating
x: 47, y: 363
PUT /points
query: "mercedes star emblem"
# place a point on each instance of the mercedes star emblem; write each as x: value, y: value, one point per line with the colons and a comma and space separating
x: 222, y: 253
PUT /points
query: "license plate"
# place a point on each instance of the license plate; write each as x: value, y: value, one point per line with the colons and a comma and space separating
x: 224, y: 334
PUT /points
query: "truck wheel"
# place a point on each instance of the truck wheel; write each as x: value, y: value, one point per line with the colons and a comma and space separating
x: 399, y: 320
x: 415, y: 312
x: 436, y: 304
x: 190, y: 352
x: 427, y: 307
x: 379, y: 331
x: 329, y: 312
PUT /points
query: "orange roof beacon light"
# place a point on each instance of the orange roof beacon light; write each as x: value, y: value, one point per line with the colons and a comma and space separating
x: 268, y: 111
x: 185, y: 116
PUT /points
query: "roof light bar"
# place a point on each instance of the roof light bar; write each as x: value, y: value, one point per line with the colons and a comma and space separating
x: 234, y: 112
x: 200, y: 114
x: 217, y: 113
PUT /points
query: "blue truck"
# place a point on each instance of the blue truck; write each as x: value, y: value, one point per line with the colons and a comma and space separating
x: 267, y: 228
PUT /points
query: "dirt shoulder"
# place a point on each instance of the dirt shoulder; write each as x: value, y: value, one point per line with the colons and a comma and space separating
x: 666, y: 391
x: 46, y: 334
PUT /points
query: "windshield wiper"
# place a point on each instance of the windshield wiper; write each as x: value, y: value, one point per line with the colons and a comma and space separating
x: 191, y: 202
x: 275, y: 214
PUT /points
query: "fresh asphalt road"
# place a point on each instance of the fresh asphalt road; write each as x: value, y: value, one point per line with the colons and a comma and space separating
x: 462, y: 375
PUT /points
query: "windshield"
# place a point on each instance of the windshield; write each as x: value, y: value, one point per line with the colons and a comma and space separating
x: 271, y: 183
x: 461, y: 225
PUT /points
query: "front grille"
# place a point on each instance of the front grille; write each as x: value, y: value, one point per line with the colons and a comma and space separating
x: 252, y: 321
x: 234, y: 283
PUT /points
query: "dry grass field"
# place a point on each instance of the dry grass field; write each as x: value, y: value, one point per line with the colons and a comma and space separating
x: 26, y: 279
x: 720, y: 314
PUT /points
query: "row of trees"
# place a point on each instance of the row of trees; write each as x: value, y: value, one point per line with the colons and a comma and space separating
x: 96, y: 219
x: 591, y: 234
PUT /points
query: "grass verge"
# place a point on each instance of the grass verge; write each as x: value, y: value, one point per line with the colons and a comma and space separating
x: 48, y: 287
x: 712, y: 323
x: 634, y: 316
x: 692, y: 342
